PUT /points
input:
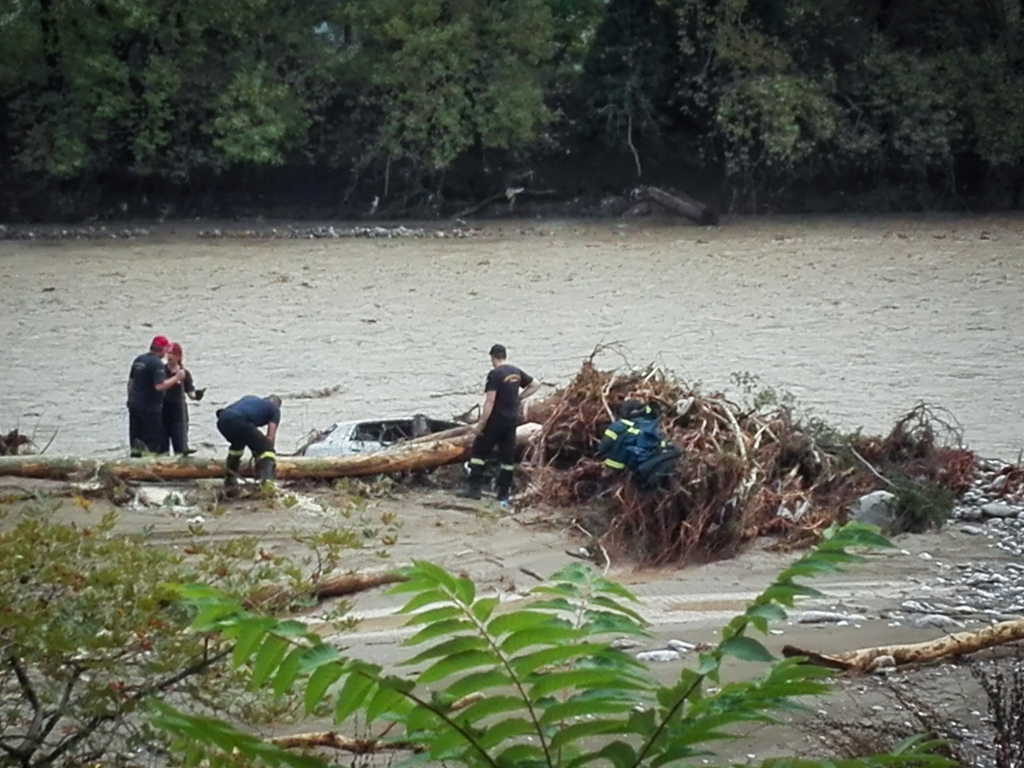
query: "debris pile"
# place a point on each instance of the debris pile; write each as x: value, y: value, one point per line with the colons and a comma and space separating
x: 14, y: 444
x: 745, y: 472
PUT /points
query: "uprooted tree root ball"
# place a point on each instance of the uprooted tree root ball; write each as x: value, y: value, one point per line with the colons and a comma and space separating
x: 745, y: 472
x: 14, y: 443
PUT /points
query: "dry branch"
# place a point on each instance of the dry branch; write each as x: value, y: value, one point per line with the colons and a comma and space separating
x: 959, y: 644
x: 331, y: 740
x: 278, y: 598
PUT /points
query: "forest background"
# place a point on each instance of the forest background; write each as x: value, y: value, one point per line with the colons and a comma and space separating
x: 340, y: 108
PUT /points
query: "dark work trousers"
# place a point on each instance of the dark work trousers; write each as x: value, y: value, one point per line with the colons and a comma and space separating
x: 145, y: 431
x: 175, y: 426
x: 501, y: 433
x: 242, y: 433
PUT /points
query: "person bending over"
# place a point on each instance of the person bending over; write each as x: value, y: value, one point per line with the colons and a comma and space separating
x: 240, y: 423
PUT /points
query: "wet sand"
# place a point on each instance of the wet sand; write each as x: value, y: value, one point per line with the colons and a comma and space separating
x: 859, y: 318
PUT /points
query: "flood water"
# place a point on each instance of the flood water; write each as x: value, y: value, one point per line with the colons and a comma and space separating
x: 858, y: 318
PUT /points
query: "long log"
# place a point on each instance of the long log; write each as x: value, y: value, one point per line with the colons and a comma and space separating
x: 959, y: 644
x: 676, y: 202
x: 406, y: 457
x: 332, y: 740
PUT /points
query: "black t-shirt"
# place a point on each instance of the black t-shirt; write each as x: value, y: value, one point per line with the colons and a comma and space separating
x: 505, y: 381
x: 147, y: 372
x: 176, y: 394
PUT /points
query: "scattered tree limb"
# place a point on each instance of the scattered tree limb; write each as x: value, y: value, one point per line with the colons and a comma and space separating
x: 279, y: 597
x: 332, y: 740
x: 958, y: 644
x: 684, y: 205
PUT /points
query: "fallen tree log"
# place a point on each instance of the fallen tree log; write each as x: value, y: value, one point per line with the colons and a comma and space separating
x: 405, y: 457
x: 959, y: 644
x: 278, y: 598
x: 332, y: 740
x: 678, y: 203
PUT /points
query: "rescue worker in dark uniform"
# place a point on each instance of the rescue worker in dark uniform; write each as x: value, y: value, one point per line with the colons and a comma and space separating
x: 147, y: 383
x: 175, y: 407
x: 240, y: 423
x: 497, y: 424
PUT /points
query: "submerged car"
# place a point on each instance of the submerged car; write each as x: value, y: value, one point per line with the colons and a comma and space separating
x: 349, y: 437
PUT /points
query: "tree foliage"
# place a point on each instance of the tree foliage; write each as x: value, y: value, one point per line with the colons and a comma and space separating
x: 538, y: 684
x: 90, y: 633
x: 775, y: 101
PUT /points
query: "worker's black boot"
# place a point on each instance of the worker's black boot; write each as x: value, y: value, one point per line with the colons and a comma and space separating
x: 267, y: 468
x: 504, y: 485
x: 233, y: 466
x: 476, y: 480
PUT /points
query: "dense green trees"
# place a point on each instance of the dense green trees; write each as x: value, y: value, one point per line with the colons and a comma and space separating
x: 784, y: 103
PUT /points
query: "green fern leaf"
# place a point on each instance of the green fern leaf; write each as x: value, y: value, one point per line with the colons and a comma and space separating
x: 547, y: 635
x: 288, y: 671
x: 492, y: 705
x: 267, y: 659
x: 559, y: 654
x: 450, y: 647
x: 353, y: 694
x: 478, y: 682
x: 440, y: 629
x: 459, y: 662
x: 319, y: 682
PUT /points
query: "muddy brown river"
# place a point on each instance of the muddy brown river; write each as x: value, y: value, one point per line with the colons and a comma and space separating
x: 858, y: 318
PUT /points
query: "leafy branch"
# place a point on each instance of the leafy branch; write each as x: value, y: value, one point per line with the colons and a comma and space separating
x: 537, y: 685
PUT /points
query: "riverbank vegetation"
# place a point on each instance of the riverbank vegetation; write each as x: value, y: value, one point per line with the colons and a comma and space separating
x: 125, y: 108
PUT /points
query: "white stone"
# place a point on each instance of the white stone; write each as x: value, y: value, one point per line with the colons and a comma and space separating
x: 680, y: 646
x: 658, y: 656
x: 875, y: 509
x: 936, y: 620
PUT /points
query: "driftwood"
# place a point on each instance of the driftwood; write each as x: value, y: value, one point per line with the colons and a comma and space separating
x: 678, y: 203
x: 405, y: 457
x: 277, y: 598
x: 332, y: 740
x: 959, y: 644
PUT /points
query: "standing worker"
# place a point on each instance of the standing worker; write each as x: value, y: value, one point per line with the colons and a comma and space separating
x: 497, y: 424
x: 175, y: 407
x: 147, y: 382
x: 240, y: 423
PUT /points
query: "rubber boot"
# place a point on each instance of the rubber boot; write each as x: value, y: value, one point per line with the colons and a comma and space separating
x: 233, y: 465
x: 504, y: 486
x: 474, y: 486
x: 267, y: 468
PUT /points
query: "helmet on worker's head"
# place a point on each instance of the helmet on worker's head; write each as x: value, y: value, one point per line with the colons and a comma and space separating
x: 634, y: 409
x: 631, y: 409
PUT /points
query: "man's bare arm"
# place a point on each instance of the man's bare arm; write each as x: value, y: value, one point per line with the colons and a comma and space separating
x: 271, y: 431
x: 488, y: 407
x: 534, y: 386
x: 169, y: 382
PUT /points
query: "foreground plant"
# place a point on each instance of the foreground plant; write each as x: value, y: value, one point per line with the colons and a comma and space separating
x: 90, y: 633
x: 536, y: 686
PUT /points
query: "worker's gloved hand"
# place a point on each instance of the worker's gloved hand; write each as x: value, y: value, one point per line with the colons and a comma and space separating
x: 200, y: 393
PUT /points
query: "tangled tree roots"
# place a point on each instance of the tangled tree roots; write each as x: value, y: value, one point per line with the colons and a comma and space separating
x: 14, y: 443
x: 744, y: 472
